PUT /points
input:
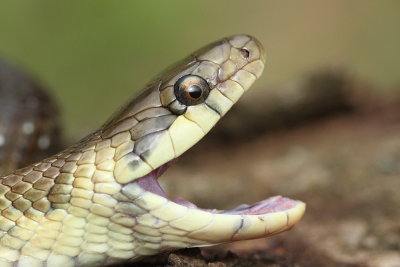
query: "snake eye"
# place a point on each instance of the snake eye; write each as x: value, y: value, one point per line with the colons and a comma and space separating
x: 191, y: 90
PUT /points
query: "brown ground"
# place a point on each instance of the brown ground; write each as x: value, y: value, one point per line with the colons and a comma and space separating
x: 345, y: 166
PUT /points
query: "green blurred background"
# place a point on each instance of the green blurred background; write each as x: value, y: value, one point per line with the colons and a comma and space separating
x: 93, y: 55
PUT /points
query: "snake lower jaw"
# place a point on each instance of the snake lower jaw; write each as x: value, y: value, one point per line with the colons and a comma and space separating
x: 190, y: 226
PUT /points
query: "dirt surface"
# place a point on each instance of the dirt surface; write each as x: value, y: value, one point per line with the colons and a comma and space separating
x: 345, y: 166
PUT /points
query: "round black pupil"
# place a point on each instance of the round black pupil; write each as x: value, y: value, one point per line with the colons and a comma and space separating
x: 194, y: 91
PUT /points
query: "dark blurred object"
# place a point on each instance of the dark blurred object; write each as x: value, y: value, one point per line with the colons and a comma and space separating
x: 29, y: 128
x: 320, y: 94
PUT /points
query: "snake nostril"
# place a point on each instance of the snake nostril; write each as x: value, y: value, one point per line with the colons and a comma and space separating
x: 245, y: 53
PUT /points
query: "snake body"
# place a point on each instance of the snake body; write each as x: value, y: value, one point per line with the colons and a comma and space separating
x: 99, y: 203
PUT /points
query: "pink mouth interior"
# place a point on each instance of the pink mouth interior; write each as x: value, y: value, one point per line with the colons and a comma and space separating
x: 150, y: 183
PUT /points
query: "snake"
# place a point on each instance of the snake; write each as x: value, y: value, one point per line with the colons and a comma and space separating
x: 98, y: 202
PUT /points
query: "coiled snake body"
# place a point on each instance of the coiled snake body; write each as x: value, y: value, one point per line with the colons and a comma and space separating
x: 99, y: 202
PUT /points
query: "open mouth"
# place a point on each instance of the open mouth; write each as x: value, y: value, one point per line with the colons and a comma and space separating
x: 273, y: 204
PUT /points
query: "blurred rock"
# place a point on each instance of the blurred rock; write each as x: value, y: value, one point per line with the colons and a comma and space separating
x: 29, y: 120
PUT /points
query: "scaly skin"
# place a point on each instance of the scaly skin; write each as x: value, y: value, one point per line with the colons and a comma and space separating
x: 95, y: 203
